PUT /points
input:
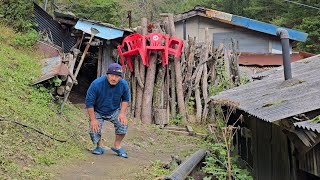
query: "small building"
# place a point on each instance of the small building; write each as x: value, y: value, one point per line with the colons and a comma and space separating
x: 66, y: 34
x: 258, y: 44
x: 278, y: 138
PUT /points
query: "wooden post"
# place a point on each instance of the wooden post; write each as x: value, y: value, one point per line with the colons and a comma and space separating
x: 173, y: 92
x: 197, y: 93
x: 205, y: 77
x: 71, y: 66
x: 100, y: 54
x: 146, y: 115
x: 234, y: 65
x: 158, y: 88
x: 188, y: 81
x: 177, y: 65
x: 141, y: 67
x: 160, y: 116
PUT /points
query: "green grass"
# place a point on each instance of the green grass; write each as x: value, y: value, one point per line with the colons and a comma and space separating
x: 316, y: 119
x: 24, y: 152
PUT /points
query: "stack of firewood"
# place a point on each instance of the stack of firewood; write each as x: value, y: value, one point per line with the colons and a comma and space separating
x: 160, y: 93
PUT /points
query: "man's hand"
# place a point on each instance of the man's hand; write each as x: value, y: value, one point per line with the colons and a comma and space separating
x: 94, y: 124
x: 123, y: 118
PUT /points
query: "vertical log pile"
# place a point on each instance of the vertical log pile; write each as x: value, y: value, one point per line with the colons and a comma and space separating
x: 185, y: 83
x: 200, y: 73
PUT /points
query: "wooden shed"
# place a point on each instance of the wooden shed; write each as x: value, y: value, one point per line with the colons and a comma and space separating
x: 278, y: 139
x: 71, y: 36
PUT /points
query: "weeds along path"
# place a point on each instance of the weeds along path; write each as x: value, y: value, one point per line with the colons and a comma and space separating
x: 145, y: 147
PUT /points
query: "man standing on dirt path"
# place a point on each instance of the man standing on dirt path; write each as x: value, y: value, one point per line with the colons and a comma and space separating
x: 107, y: 100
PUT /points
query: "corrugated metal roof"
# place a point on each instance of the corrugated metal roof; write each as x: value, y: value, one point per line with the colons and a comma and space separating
x: 272, y: 98
x: 241, y: 21
x: 106, y: 31
x: 309, y: 125
x: 46, y: 23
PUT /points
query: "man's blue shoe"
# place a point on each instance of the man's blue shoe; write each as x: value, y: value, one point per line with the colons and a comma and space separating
x: 120, y: 152
x: 98, y: 150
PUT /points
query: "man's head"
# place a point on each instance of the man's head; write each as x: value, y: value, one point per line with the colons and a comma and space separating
x: 114, y: 73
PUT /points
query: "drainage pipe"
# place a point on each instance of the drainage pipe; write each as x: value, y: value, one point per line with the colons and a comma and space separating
x: 284, y: 36
x: 184, y: 169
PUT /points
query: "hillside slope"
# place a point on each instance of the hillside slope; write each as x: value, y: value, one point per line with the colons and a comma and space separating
x: 23, y: 151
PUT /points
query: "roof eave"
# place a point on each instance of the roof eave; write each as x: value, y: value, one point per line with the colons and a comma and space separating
x: 241, y: 22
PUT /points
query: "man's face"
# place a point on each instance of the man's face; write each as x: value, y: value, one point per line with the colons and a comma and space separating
x: 113, y: 79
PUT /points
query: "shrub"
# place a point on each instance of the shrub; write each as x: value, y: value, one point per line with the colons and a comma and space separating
x: 17, y: 14
x: 26, y: 39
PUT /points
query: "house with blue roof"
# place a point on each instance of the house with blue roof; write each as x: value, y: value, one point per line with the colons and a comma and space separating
x: 258, y: 41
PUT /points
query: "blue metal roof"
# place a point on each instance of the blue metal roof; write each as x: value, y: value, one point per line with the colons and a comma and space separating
x: 105, y: 32
x: 241, y: 21
x: 267, y: 28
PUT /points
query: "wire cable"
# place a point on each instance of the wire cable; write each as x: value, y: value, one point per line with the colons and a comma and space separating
x: 302, y: 4
x: 34, y: 129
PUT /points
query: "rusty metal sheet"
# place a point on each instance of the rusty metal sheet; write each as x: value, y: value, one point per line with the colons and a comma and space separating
x: 52, y: 67
x: 265, y: 59
x: 210, y: 13
x: 48, y: 50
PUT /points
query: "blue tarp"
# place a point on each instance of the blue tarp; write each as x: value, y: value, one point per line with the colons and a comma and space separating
x: 105, y: 32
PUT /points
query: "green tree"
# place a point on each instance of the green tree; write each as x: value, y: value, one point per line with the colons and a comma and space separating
x: 236, y: 7
x: 99, y: 10
x: 17, y: 14
x: 265, y: 10
x: 312, y: 26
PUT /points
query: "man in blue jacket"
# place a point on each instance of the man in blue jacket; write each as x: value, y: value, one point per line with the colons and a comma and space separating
x: 107, y: 100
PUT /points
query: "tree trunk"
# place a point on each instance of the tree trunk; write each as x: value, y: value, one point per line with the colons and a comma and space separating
x: 142, y: 75
x: 177, y: 66
x: 100, y: 55
x: 137, y: 72
x: 148, y: 91
x: 158, y: 88
x: 71, y: 64
x: 173, y: 92
x: 197, y: 94
x: 133, y: 94
x: 160, y: 116
x: 205, y: 92
x: 188, y: 81
x: 128, y: 76
x: 234, y: 66
x: 205, y: 77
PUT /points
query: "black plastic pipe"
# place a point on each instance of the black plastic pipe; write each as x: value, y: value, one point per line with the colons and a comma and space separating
x: 184, y: 169
x: 284, y: 36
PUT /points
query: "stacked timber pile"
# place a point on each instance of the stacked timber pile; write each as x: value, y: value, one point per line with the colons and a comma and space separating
x: 182, y: 88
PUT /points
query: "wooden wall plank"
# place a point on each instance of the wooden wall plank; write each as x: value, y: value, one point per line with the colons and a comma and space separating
x: 264, y: 150
x: 280, y: 154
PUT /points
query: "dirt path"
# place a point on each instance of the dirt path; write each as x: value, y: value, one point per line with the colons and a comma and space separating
x: 144, y: 145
